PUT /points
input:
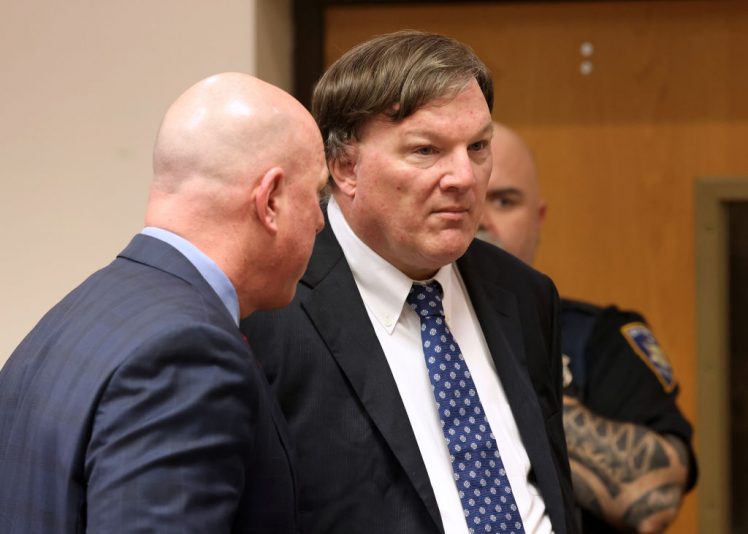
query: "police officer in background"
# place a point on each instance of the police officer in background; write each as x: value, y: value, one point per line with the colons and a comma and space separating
x: 629, y: 444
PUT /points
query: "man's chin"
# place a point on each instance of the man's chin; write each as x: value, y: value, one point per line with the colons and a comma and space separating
x: 452, y: 247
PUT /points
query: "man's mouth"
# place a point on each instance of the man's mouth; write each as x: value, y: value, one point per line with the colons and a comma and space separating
x: 453, y: 209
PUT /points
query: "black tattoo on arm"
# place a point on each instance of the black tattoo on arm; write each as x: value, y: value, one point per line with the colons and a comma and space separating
x: 584, y: 494
x: 658, y: 500
x: 626, y: 474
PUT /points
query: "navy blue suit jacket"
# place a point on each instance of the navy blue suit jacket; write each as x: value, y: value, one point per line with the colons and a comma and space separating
x: 135, y: 405
x: 358, y: 464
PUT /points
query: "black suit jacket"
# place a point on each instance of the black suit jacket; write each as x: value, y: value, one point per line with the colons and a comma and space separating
x: 135, y: 405
x: 358, y: 464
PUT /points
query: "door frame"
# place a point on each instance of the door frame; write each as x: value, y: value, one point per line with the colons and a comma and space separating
x: 712, y: 347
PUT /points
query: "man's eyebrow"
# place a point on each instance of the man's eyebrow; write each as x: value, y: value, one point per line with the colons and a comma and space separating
x: 504, y: 191
x: 429, y: 134
x: 435, y: 134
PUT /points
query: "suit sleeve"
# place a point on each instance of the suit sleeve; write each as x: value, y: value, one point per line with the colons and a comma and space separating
x: 559, y: 440
x: 555, y: 345
x: 171, y: 436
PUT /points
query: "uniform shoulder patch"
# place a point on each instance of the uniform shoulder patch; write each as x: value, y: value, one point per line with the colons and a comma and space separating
x: 644, y: 344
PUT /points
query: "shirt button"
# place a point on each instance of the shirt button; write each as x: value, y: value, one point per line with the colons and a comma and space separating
x: 388, y: 321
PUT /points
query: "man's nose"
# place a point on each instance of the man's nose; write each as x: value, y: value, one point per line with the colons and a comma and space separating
x: 460, y: 173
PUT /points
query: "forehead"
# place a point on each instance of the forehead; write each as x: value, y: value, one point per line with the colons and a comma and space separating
x: 513, y: 165
x: 321, y: 162
x: 462, y: 117
x: 323, y: 176
x: 309, y: 155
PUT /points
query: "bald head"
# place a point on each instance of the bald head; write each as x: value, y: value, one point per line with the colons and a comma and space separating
x: 237, y: 167
x: 222, y: 126
x: 514, y: 210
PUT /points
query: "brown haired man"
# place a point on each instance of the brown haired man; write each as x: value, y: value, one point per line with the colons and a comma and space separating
x: 420, y: 371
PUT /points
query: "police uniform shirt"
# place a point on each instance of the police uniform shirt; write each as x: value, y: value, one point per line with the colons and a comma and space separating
x: 622, y: 375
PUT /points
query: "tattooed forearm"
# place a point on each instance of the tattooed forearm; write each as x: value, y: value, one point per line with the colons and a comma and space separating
x: 660, y: 503
x: 615, y: 452
x: 623, y: 472
x: 584, y: 493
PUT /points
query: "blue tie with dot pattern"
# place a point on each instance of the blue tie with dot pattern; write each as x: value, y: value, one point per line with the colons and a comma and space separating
x: 487, y: 499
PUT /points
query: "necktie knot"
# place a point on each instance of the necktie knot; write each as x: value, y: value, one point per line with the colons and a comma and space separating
x: 426, y: 299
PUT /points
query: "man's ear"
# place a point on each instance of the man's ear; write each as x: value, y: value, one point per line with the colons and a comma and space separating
x: 267, y: 198
x: 542, y: 211
x: 344, y: 170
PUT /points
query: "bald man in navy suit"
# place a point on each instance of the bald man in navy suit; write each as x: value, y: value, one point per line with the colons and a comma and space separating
x: 136, y: 405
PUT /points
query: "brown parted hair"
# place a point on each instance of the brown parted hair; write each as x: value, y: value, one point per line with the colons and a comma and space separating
x: 394, y: 75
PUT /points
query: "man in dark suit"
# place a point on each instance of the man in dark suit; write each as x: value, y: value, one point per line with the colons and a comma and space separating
x: 135, y: 405
x: 420, y: 371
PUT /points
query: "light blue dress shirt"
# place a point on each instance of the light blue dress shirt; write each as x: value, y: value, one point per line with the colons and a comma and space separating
x: 212, y: 273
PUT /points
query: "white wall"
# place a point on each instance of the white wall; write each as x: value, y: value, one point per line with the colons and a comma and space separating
x: 84, y: 85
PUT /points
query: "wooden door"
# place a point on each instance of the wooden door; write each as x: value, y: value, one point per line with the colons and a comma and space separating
x: 625, y: 105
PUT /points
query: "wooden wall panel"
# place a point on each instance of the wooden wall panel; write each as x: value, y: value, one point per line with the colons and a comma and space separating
x: 619, y: 148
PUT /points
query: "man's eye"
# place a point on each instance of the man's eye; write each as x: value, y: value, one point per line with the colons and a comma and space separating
x: 425, y: 150
x: 479, y: 145
x: 501, y: 202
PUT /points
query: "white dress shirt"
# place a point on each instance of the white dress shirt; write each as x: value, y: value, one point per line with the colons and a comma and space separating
x: 384, y: 289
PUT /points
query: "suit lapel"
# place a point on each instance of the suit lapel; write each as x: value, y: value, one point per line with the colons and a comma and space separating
x: 499, y: 320
x: 498, y: 315
x: 335, y: 307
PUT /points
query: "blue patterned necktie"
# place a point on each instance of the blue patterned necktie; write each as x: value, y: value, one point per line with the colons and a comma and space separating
x: 487, y: 499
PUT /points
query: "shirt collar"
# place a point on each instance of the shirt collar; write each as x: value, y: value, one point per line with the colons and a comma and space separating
x: 383, y: 287
x: 212, y: 273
